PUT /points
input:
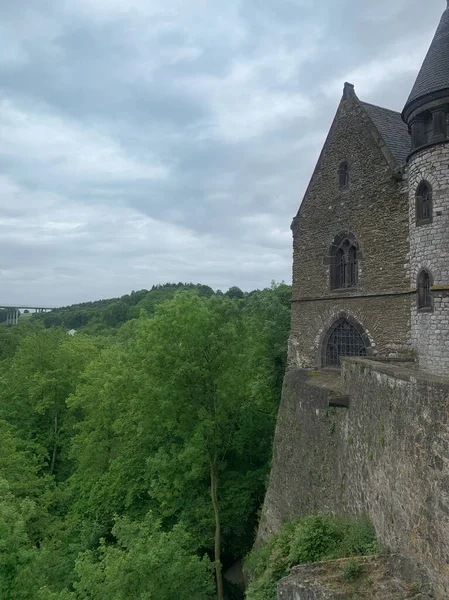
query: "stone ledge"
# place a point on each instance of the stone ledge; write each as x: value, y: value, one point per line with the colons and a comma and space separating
x: 378, y: 580
x: 404, y: 370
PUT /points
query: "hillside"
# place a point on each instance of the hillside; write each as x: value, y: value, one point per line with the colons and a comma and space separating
x: 100, y: 315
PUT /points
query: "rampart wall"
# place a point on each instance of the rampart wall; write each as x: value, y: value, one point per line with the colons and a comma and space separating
x: 387, y: 455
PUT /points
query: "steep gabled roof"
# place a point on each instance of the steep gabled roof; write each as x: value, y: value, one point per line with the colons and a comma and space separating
x: 434, y: 73
x: 392, y: 129
x: 386, y: 127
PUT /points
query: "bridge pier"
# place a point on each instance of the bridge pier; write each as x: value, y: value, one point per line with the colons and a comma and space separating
x: 13, y: 312
x: 12, y: 316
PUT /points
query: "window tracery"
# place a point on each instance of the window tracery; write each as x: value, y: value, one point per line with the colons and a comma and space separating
x: 343, y: 340
x: 344, y: 272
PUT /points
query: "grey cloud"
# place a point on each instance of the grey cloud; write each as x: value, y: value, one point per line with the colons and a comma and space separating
x: 143, y: 142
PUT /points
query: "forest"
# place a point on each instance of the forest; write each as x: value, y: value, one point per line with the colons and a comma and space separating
x: 135, y: 454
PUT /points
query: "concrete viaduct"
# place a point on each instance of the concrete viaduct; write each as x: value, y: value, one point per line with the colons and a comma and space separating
x: 13, y: 311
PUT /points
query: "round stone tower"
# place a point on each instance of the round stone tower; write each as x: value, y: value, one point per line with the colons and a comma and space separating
x: 427, y: 116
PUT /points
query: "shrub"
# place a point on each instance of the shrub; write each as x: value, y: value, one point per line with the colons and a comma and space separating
x: 316, y: 538
x: 359, y: 539
x: 262, y: 589
x: 351, y: 571
x: 312, y: 539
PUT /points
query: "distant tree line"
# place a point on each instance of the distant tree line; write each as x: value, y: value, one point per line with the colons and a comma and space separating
x: 101, y: 314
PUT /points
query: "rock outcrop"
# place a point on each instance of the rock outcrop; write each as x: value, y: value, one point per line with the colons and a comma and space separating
x: 362, y: 578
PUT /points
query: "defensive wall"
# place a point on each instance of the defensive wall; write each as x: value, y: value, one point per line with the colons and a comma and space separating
x: 372, y: 439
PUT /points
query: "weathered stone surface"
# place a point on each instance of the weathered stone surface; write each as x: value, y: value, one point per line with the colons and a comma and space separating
x: 378, y: 580
x: 386, y: 455
x: 374, y: 209
x: 429, y: 249
x: 377, y: 209
x: 385, y: 451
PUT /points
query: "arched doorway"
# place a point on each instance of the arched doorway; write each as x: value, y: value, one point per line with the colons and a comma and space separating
x: 343, y: 339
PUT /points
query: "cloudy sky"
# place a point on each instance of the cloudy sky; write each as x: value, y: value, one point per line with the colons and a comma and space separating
x: 146, y: 141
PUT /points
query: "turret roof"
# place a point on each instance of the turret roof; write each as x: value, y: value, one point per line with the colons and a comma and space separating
x: 434, y: 73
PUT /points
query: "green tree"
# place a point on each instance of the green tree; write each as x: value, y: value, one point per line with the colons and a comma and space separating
x: 34, y: 386
x: 23, y: 516
x: 197, y: 360
x: 17, y: 552
x: 269, y: 311
x: 145, y: 563
x: 10, y: 337
x: 234, y: 293
x: 185, y: 406
x: 115, y: 313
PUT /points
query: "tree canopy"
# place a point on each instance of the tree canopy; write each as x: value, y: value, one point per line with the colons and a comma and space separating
x: 135, y: 454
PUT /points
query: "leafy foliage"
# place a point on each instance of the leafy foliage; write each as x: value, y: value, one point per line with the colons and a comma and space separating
x: 135, y: 454
x: 16, y: 551
x: 314, y: 538
x: 101, y: 315
x: 351, y: 571
x: 144, y: 563
x: 34, y: 386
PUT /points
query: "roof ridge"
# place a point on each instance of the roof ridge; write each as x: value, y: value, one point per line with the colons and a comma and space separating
x: 391, y: 129
x: 396, y: 112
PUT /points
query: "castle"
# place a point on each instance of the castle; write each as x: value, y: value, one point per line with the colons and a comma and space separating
x: 371, y: 238
x: 363, y: 425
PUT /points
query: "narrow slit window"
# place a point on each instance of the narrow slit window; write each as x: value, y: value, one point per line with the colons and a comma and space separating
x: 343, y: 175
x: 423, y: 203
x: 425, y: 299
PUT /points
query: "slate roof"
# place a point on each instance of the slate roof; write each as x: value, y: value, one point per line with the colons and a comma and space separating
x: 393, y: 130
x: 434, y: 73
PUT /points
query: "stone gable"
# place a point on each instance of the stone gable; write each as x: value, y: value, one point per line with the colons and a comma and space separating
x: 374, y: 209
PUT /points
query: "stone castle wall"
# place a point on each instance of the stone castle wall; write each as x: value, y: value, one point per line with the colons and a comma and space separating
x: 374, y: 209
x: 387, y: 455
x: 387, y: 335
x: 429, y: 249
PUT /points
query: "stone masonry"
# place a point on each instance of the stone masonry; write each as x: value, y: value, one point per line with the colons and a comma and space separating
x: 374, y: 209
x: 386, y: 156
x: 429, y: 249
x: 386, y: 456
x: 363, y: 425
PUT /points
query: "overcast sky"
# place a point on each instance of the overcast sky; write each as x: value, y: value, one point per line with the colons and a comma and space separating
x: 146, y: 141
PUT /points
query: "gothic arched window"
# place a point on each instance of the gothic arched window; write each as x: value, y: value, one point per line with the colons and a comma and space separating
x: 352, y: 262
x: 423, y: 203
x: 340, y: 278
x: 343, y: 339
x: 343, y: 175
x: 425, y: 300
x: 344, y: 263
